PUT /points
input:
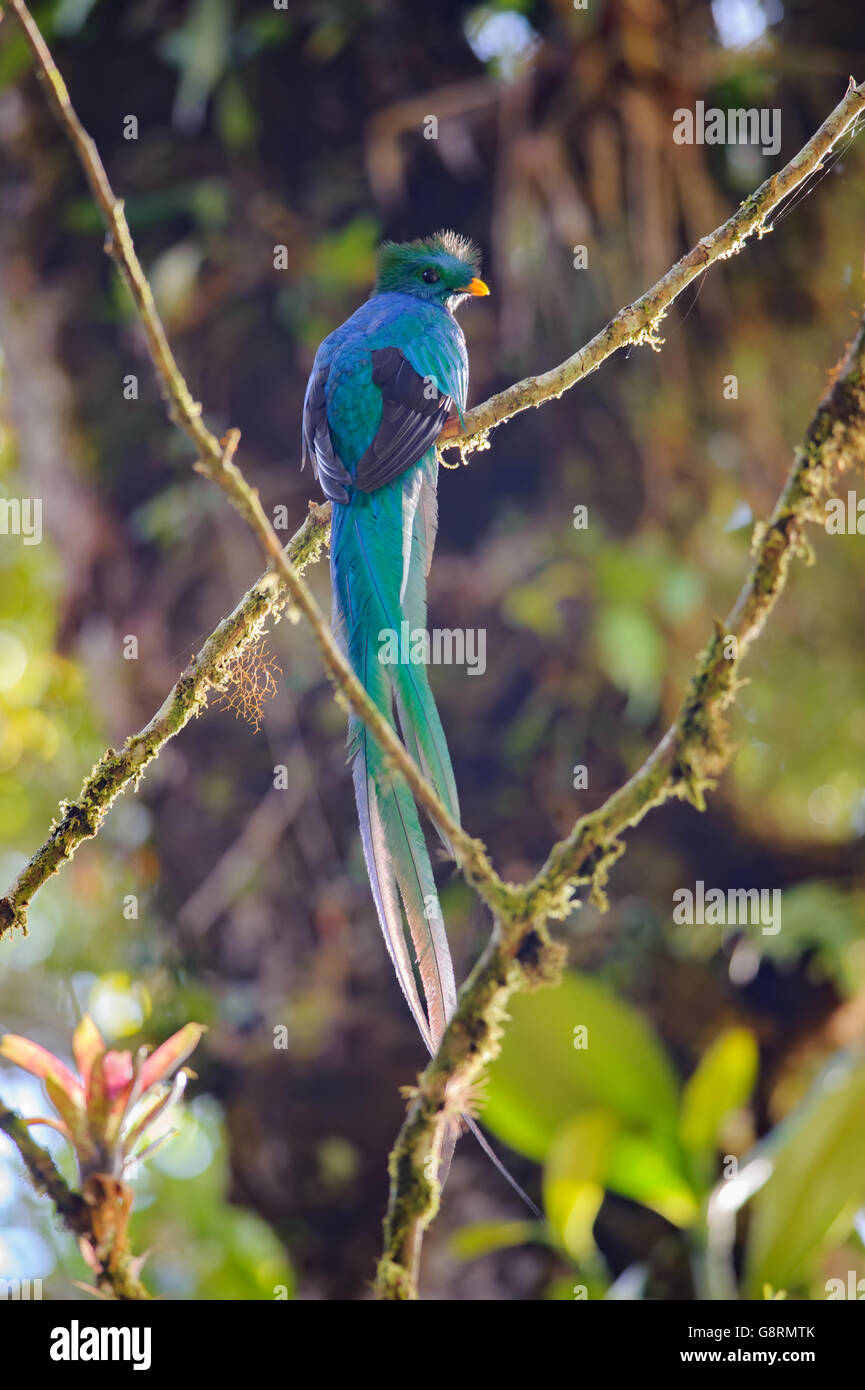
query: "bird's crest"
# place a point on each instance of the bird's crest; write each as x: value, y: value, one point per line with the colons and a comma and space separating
x: 397, y: 258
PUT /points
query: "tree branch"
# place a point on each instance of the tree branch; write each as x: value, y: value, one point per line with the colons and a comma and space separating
x: 92, y: 1216
x: 636, y: 323
x: 82, y: 818
x: 688, y: 760
x: 45, y: 1177
x: 216, y: 462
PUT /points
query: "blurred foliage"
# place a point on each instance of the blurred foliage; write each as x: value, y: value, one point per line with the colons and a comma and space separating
x: 606, y: 1114
x: 816, y: 1184
x: 202, y: 1247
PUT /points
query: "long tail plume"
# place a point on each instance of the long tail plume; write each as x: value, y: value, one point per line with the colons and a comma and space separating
x: 381, y: 548
x: 379, y: 559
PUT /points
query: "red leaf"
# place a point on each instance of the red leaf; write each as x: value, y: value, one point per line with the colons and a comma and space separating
x: 117, y: 1073
x: 169, y: 1055
x: 40, y: 1062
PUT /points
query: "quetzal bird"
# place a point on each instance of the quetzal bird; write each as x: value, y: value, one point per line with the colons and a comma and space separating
x: 381, y: 389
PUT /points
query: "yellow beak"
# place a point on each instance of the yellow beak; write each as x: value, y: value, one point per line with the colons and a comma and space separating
x: 474, y: 286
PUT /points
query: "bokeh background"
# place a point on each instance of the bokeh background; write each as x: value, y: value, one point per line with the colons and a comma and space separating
x: 304, y: 127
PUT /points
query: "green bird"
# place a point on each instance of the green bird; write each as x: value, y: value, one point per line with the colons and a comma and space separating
x: 381, y: 389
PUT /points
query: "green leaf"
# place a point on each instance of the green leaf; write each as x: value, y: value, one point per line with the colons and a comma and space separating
x: 345, y: 259
x: 817, y: 1180
x: 542, y: 1079
x: 631, y: 652
x: 573, y: 1179
x: 722, y: 1082
x: 643, y: 1170
x: 236, y: 115
x: 485, y: 1237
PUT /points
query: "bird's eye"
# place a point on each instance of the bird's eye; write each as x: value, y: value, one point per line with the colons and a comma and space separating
x: 430, y: 275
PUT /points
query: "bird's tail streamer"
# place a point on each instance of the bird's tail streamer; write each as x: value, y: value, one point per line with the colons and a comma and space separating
x: 381, y: 549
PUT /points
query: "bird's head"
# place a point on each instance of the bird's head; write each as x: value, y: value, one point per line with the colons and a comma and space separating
x: 441, y: 269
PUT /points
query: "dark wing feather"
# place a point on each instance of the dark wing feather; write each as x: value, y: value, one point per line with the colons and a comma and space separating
x: 413, y: 413
x: 317, y: 443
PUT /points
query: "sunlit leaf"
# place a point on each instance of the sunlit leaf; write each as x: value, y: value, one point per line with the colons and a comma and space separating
x: 544, y: 1076
x: 722, y: 1082
x: 168, y: 1056
x: 631, y: 651
x: 573, y: 1179
x: 647, y: 1172
x: 817, y: 1180
x: 87, y: 1045
x: 38, y: 1061
x: 485, y: 1237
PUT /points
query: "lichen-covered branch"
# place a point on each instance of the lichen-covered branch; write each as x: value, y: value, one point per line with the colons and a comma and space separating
x: 43, y: 1174
x: 82, y: 818
x: 216, y: 461
x: 695, y: 749
x: 97, y: 1216
x: 687, y: 761
x: 635, y: 323
x: 638, y: 323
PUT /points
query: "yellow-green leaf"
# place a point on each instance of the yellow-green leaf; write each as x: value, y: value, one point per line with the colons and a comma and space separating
x: 572, y: 1049
x: 485, y: 1237
x: 817, y: 1180
x: 640, y: 1168
x: 721, y: 1083
x: 574, y: 1179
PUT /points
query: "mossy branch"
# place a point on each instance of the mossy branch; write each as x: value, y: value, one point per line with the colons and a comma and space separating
x: 215, y: 459
x: 686, y: 762
x: 636, y: 323
x: 117, y: 769
x: 96, y: 1217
